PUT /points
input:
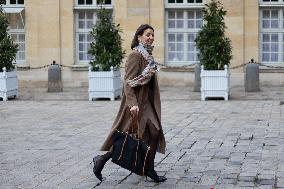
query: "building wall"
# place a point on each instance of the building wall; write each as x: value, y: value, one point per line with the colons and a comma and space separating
x: 50, y: 28
x: 43, y: 35
x: 50, y: 37
x: 66, y: 29
x: 235, y: 31
x: 251, y: 30
x: 132, y: 13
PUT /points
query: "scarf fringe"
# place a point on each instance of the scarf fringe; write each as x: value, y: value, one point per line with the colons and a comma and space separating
x: 148, y: 72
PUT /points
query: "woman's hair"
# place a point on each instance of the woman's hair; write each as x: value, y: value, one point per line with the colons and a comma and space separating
x: 140, y: 30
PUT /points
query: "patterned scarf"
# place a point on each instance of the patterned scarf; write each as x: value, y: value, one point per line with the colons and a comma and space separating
x: 149, y: 71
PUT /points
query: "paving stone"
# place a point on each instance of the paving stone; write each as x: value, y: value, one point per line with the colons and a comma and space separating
x: 175, y: 186
x: 7, y: 186
x: 265, y: 187
x: 246, y: 136
x: 202, y: 186
x: 280, y: 182
x: 222, y: 181
x: 229, y: 176
x: 225, y: 186
x: 236, y: 160
x: 245, y: 184
x: 208, y: 143
x: 248, y: 176
x: 192, y: 177
x: 254, y: 156
x: 222, y: 155
x: 266, y: 179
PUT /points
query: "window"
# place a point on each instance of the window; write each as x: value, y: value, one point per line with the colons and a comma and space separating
x: 184, y: 1
x: 14, y: 2
x: 85, y: 18
x: 92, y: 2
x: 272, y: 35
x: 85, y: 2
x: 271, y: 3
x: 183, y: 20
x: 182, y: 26
x: 17, y: 32
x: 271, y: 0
x: 105, y: 2
x: 16, y: 18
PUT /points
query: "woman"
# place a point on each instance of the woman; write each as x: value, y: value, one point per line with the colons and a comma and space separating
x: 140, y: 96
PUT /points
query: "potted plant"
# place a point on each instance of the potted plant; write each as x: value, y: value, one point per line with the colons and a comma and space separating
x: 8, y: 51
x: 215, y: 52
x: 104, y: 74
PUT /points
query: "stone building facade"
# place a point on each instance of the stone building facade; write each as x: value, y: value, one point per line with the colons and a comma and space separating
x: 59, y: 30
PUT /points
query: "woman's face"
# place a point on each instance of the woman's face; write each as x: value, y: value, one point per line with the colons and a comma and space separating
x: 147, y: 37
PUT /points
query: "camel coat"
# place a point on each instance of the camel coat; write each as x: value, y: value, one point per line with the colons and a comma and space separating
x: 138, y: 96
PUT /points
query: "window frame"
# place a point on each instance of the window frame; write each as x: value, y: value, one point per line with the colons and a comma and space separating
x: 94, y: 5
x: 185, y: 7
x: 79, y: 31
x: 270, y: 31
x: 18, y: 31
x: 8, y: 4
x: 92, y: 8
x: 279, y: 3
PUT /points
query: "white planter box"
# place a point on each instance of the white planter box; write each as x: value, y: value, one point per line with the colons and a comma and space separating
x: 8, y: 84
x: 215, y: 83
x: 104, y: 84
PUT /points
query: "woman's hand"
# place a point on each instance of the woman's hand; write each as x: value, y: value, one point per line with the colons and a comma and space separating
x: 134, y: 109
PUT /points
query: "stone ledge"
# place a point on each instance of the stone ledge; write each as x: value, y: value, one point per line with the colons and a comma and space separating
x: 271, y: 70
x: 176, y: 69
x: 83, y: 67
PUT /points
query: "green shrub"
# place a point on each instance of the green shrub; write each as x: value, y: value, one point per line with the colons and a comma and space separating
x: 8, y: 49
x: 106, y: 48
x: 215, y: 50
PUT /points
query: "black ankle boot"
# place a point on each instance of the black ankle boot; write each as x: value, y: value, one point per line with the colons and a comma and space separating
x: 98, y: 167
x: 153, y: 175
x: 99, y: 163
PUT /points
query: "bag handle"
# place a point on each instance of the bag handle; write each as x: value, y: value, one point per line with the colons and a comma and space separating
x: 134, y: 123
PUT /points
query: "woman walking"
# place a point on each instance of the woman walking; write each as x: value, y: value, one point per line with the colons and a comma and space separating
x: 141, y: 96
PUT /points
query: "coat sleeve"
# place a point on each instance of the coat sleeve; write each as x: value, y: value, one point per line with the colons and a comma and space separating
x: 131, y: 71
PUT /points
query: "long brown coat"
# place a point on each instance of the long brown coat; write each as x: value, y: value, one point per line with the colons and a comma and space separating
x: 137, y: 96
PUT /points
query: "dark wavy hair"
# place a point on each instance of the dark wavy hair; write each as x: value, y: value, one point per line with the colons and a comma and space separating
x: 140, y: 30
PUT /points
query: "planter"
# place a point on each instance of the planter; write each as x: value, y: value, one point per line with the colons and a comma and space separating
x: 104, y: 84
x: 215, y: 83
x: 8, y: 84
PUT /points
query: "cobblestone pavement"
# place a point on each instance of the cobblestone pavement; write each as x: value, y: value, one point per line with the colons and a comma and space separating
x: 49, y: 143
